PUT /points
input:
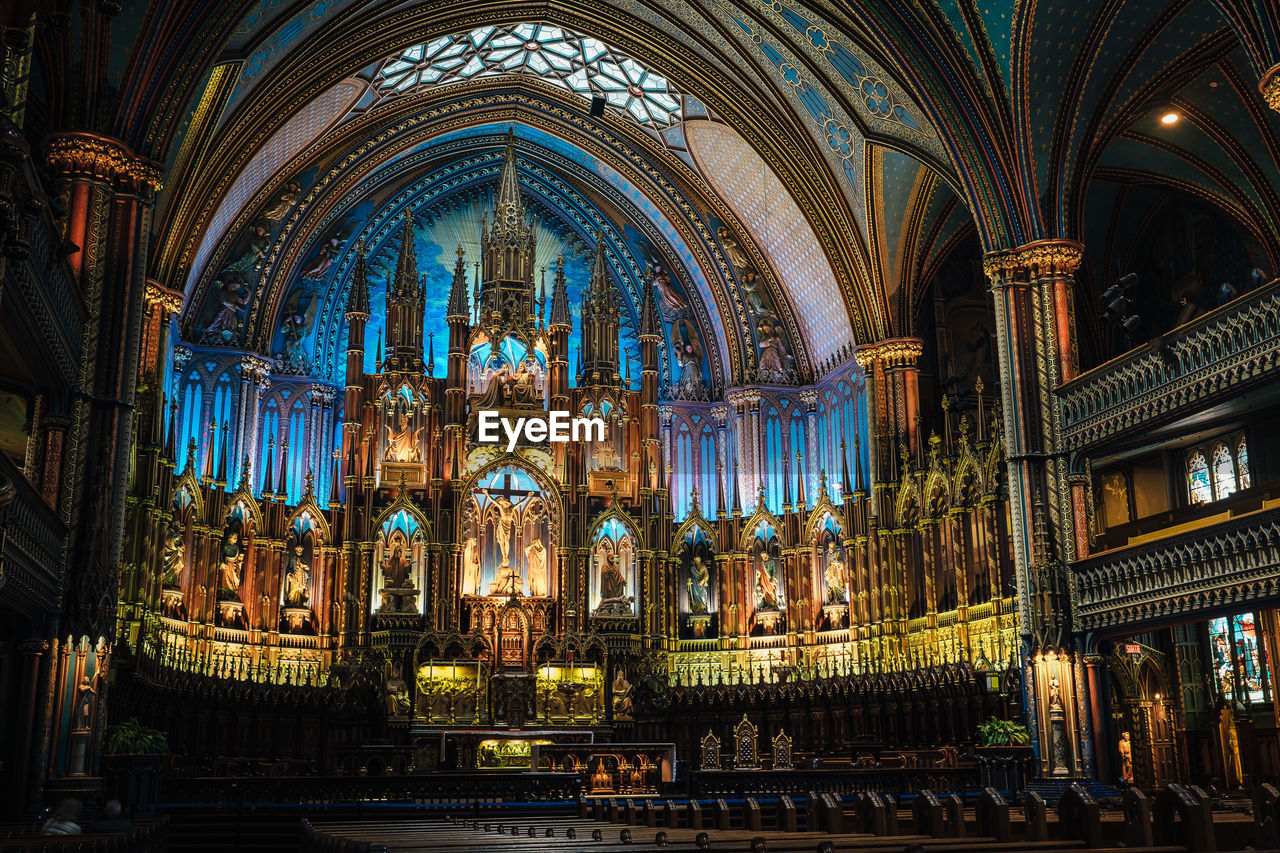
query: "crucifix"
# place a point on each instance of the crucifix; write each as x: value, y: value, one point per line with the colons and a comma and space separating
x: 506, y: 514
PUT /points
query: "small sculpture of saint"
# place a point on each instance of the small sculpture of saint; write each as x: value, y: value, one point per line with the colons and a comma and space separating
x: 1126, y: 759
x: 232, y: 561
x: 284, y: 202
x: 835, y: 576
x: 232, y: 296
x: 773, y: 352
x: 766, y: 584
x: 256, y: 242
x: 613, y: 588
x: 396, y: 569
x: 471, y: 567
x: 699, y: 579
x: 622, y: 706
x: 402, y: 443
x: 172, y: 558
x: 523, y: 389
x: 536, y: 556
x: 297, y: 583
x: 670, y: 298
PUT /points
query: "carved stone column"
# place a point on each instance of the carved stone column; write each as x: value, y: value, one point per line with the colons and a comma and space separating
x: 1035, y: 325
x: 893, y: 399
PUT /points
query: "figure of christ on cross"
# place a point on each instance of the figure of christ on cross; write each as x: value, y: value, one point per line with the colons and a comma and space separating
x: 506, y: 516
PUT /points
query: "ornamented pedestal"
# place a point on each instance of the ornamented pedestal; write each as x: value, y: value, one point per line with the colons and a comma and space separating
x: 399, y: 599
x: 835, y: 614
x: 171, y: 603
x: 231, y: 612
x: 700, y: 623
x: 296, y: 617
x: 507, y: 581
x: 769, y: 620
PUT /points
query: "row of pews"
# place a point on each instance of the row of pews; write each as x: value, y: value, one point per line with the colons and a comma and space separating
x: 146, y: 837
x: 1175, y: 819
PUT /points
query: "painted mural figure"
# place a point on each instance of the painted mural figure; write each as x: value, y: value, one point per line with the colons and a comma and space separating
x: 536, y: 556
x: 699, y: 580
x: 172, y: 558
x: 232, y: 562
x: 298, y: 580
x: 835, y: 576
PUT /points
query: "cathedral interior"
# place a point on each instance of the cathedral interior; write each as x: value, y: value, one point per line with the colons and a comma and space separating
x: 922, y: 367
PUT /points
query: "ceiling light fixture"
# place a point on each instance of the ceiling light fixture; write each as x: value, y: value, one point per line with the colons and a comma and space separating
x: 1169, y: 118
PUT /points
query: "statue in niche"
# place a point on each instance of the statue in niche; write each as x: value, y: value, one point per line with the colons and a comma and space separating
x: 524, y: 390
x: 251, y: 256
x: 233, y: 296
x: 688, y: 354
x: 767, y: 583
x: 505, y: 516
x: 403, y: 441
x: 669, y: 298
x: 297, y: 580
x: 699, y: 581
x: 172, y: 559
x: 732, y: 250
x: 397, y: 568
x: 773, y: 351
x: 536, y: 556
x: 613, y: 588
x: 397, y: 698
x: 284, y: 202
x: 622, y: 706
x: 232, y: 563
x: 835, y: 576
x: 84, y: 704
x: 471, y: 567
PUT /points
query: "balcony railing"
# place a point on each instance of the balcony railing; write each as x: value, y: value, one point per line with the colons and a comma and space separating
x: 1186, y: 576
x: 32, y: 541
x: 1197, y: 364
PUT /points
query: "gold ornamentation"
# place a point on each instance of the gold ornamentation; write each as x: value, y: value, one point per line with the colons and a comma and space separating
x: 1270, y: 88
x: 105, y: 159
x: 1045, y: 257
x: 169, y: 300
x: 892, y: 352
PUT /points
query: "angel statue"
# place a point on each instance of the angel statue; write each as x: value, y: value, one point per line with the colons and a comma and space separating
x: 689, y: 356
x: 233, y: 296
x: 295, y: 325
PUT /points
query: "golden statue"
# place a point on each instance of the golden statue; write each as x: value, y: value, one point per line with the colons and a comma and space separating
x: 402, y: 443
x: 536, y: 555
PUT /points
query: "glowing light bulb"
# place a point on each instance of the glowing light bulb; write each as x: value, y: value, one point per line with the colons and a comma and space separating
x: 1169, y: 118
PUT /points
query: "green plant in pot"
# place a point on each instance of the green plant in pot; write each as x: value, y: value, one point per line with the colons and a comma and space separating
x: 996, y: 733
x: 132, y: 738
x: 133, y: 764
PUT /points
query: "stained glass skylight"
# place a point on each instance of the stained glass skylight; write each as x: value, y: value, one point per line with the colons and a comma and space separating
x: 578, y: 63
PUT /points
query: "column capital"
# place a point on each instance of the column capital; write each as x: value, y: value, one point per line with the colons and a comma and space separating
x: 1269, y: 86
x: 891, y: 352
x: 256, y: 370
x: 169, y: 300
x: 103, y: 158
x: 1042, y: 257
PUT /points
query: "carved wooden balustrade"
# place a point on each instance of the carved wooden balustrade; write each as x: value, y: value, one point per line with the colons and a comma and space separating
x: 1230, y: 563
x: 1192, y: 367
x: 32, y: 540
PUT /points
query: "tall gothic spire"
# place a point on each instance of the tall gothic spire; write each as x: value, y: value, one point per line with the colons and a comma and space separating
x: 406, y: 279
x: 358, y: 296
x: 560, y: 297
x: 458, y: 305
x: 509, y: 200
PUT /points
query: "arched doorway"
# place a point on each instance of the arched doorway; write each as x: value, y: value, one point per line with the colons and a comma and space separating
x: 1144, y: 711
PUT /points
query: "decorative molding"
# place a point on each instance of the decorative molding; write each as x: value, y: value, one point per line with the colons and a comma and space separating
x: 103, y: 159
x: 893, y: 352
x: 1195, y: 365
x: 1184, y: 577
x: 1269, y: 86
x: 1044, y: 257
x: 169, y: 300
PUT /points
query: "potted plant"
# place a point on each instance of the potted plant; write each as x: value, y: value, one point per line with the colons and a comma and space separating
x: 133, y: 761
x: 1004, y: 754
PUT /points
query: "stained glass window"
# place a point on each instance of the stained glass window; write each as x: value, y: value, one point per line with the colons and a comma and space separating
x: 578, y: 63
x: 1242, y: 463
x: 1224, y: 473
x: 1239, y: 658
x: 1198, y: 479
